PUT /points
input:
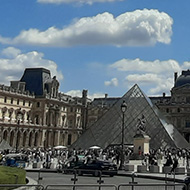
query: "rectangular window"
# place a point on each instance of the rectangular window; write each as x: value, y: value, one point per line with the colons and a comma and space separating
x: 187, y: 125
x: 5, y: 100
x: 188, y: 99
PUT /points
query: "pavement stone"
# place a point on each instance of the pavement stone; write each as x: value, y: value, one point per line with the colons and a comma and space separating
x: 158, y: 176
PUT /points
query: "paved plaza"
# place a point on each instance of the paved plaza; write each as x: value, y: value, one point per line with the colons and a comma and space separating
x: 136, y: 163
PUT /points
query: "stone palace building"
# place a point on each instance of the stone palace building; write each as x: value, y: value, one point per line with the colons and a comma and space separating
x: 33, y: 113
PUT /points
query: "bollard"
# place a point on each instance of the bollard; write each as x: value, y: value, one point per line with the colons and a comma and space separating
x: 133, y: 180
x: 74, y: 179
x: 39, y: 177
x: 100, y: 181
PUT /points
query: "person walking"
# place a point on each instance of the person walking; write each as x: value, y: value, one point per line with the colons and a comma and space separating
x: 174, y: 166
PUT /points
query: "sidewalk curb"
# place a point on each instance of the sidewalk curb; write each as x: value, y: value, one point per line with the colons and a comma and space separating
x: 150, y: 176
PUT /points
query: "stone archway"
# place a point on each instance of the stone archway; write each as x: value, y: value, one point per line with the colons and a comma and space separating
x: 30, y: 139
x: 12, y: 138
x: 36, y: 139
x: 24, y: 139
x: 5, y: 135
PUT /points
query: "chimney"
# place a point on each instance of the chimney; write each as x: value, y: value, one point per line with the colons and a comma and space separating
x: 106, y: 95
x: 175, y: 76
x: 164, y: 94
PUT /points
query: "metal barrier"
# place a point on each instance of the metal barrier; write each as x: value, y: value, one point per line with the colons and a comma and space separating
x: 102, y: 187
x: 158, y: 186
x: 167, y: 183
x: 81, y: 187
x: 21, y: 187
x: 130, y: 186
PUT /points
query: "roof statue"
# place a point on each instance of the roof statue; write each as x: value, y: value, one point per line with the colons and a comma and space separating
x: 108, y: 129
x: 141, y: 124
x: 54, y: 87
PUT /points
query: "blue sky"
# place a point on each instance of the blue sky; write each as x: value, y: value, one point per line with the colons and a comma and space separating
x: 104, y: 46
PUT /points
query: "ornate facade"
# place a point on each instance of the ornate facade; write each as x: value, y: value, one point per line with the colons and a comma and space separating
x: 33, y: 113
x: 177, y: 107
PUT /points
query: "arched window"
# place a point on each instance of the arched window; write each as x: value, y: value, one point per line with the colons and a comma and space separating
x: 36, y: 139
x: 30, y: 139
x: 24, y: 139
x: 5, y: 135
x: 11, y: 138
x: 37, y: 120
x: 63, y: 120
x: 38, y: 104
x: 69, y: 139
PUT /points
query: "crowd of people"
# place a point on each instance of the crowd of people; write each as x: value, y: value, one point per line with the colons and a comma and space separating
x: 167, y: 157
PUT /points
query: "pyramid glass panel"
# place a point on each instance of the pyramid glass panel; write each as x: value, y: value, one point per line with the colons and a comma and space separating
x: 108, y: 129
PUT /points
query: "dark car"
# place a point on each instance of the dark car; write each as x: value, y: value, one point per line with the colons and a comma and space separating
x: 97, y: 167
x: 186, y: 183
x: 71, y: 163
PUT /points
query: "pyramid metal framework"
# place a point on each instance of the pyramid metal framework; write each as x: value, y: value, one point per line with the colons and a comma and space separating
x: 108, y: 129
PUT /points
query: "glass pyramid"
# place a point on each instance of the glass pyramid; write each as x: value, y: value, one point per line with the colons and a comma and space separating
x: 108, y: 129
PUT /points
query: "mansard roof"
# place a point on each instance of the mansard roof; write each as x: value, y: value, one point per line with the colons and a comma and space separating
x: 108, y: 129
x: 183, y: 79
x: 35, y: 79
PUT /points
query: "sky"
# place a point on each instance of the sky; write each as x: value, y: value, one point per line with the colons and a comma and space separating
x: 103, y: 46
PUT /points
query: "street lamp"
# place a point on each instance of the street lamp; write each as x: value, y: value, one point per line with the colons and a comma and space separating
x: 19, y: 117
x: 123, y: 110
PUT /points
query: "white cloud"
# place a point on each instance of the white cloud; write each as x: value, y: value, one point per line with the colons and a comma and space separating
x: 137, y: 28
x: 78, y: 93
x: 113, y: 82
x: 12, y: 68
x: 90, y: 2
x: 11, y: 52
x: 154, y: 76
x: 186, y: 65
x: 157, y: 83
x: 138, y: 65
x: 74, y: 93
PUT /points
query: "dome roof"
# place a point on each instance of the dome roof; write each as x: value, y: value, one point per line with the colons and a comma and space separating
x: 183, y: 79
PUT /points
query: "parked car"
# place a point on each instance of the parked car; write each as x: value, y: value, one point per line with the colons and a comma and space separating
x: 15, y: 160
x: 97, y: 168
x: 186, y: 183
x: 71, y: 163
